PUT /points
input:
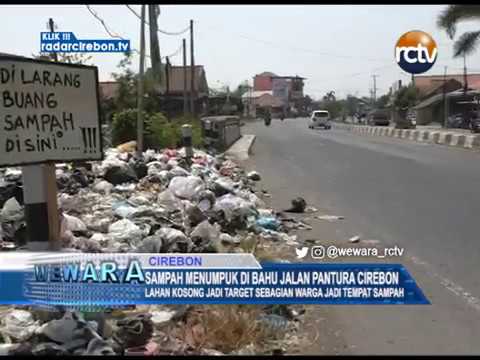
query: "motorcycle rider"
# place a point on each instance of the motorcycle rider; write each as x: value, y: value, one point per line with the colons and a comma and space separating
x: 267, y: 117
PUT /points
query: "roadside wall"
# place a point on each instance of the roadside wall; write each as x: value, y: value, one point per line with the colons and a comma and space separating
x: 442, y: 137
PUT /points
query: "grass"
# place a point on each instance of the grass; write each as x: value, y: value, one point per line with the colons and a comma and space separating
x: 225, y: 328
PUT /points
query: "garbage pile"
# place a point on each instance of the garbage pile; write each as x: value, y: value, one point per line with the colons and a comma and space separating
x: 159, y: 203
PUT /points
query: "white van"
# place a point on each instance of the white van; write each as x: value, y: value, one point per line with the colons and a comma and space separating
x: 320, y: 118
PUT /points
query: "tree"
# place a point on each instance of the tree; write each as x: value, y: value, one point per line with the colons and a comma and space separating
x: 241, y: 89
x: 330, y: 96
x: 69, y: 58
x: 405, y: 98
x: 451, y: 17
x: 382, y: 101
x: 127, y: 84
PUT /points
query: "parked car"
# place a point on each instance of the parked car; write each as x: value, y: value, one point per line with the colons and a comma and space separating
x: 320, y: 118
x: 378, y: 118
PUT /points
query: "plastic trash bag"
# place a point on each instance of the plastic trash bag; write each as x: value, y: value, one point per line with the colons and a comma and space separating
x: 230, y: 203
x: 298, y: 205
x: 19, y: 324
x: 12, y: 211
x: 169, y: 201
x: 126, y: 231
x: 174, y: 240
x: 270, y: 223
x: 178, y: 171
x: 151, y: 244
x: 103, y: 187
x: 120, y: 174
x: 186, y: 187
x: 155, y: 167
x: 123, y: 209
x: 205, y: 231
x: 254, y: 176
x: 72, y: 223
x: 229, y: 239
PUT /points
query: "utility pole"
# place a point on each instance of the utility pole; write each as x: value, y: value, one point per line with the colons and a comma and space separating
x: 154, y: 45
x: 192, y: 74
x: 465, y: 88
x: 51, y: 26
x: 374, y: 88
x: 167, y: 72
x: 185, y: 100
x: 140, y: 86
x: 445, y: 112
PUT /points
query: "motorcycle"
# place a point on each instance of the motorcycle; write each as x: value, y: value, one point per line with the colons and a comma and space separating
x: 267, y: 118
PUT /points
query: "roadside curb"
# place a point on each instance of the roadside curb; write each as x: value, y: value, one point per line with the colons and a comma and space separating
x: 428, y: 136
x: 242, y: 148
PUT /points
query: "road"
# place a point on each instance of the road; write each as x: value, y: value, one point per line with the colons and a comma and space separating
x: 422, y: 197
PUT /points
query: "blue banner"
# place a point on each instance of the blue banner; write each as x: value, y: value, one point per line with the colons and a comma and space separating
x: 118, y: 282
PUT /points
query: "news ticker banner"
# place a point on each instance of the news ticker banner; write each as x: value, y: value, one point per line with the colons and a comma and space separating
x: 79, y: 280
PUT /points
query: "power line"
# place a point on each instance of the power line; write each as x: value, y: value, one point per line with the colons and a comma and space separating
x: 174, y: 53
x: 294, y: 48
x: 114, y: 35
x: 159, y: 30
x: 109, y: 32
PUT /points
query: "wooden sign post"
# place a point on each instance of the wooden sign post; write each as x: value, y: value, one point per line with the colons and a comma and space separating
x: 49, y: 112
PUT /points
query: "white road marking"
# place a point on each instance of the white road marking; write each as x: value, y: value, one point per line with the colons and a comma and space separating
x: 456, y: 289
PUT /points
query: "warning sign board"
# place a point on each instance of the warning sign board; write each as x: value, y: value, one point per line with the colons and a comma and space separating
x: 48, y: 112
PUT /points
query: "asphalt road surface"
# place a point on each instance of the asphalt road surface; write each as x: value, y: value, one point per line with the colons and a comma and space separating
x: 422, y: 197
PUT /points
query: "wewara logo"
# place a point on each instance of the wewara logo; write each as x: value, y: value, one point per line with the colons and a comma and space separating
x: 416, y: 52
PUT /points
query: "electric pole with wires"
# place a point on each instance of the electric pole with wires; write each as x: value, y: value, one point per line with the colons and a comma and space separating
x: 140, y: 87
x: 192, y: 72
x: 153, y: 12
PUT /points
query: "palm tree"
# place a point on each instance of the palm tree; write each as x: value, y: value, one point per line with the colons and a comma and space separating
x: 449, y: 19
x: 330, y: 96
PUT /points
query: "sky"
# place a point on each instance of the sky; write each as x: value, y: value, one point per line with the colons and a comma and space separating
x: 335, y: 47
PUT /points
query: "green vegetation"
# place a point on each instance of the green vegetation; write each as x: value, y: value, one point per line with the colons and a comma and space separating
x: 406, y: 97
x: 451, y: 17
x: 159, y: 132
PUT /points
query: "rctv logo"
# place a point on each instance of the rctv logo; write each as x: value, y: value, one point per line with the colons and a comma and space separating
x: 416, y: 52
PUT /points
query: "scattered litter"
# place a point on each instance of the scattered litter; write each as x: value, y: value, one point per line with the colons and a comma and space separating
x: 270, y: 223
x: 330, y: 218
x: 354, y: 239
x: 254, y: 176
x: 298, y: 205
x: 19, y: 325
x: 155, y: 204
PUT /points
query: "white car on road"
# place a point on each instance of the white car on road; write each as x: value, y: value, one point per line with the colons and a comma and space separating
x: 320, y: 118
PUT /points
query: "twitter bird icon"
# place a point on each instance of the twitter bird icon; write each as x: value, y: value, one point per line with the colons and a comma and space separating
x: 301, y: 253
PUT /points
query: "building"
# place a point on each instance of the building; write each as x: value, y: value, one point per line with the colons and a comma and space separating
x: 172, y: 99
x: 425, y: 84
x: 108, y: 89
x: 431, y: 88
x: 263, y: 81
x: 175, y: 87
x: 286, y: 90
x: 433, y: 108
